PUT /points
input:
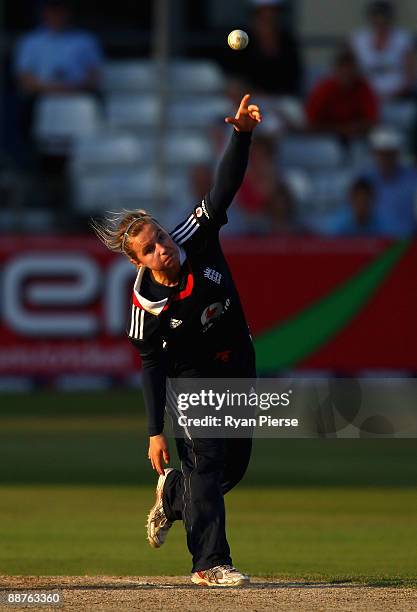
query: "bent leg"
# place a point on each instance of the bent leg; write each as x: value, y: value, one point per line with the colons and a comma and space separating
x: 196, y: 496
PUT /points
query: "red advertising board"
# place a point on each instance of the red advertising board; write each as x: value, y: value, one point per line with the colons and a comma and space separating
x: 346, y: 305
x: 64, y: 305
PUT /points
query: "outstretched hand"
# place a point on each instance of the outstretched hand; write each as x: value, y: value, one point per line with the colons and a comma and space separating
x: 247, y: 116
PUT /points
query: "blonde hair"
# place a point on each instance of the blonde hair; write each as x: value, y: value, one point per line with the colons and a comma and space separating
x: 115, y: 229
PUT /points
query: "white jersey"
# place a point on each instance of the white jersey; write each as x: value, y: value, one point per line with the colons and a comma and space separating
x: 384, y: 68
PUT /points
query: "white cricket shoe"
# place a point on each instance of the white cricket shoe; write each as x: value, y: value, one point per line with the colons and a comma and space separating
x: 220, y: 575
x: 157, y: 524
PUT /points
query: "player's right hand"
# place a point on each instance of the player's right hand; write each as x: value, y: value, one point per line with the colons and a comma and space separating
x: 158, y: 452
x: 247, y: 117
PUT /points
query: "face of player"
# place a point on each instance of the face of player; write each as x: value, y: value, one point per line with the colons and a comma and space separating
x: 155, y: 249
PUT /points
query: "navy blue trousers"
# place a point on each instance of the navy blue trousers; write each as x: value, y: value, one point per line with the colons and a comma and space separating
x: 209, y: 468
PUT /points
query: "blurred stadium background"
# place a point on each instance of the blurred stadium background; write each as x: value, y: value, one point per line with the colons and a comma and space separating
x: 323, y: 222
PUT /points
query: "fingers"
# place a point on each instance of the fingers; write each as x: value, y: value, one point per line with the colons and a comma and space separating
x: 156, y: 462
x: 244, y: 102
x: 152, y: 461
x: 254, y: 112
x: 256, y: 117
x: 158, y: 466
x: 157, y: 453
x: 247, y: 109
x: 232, y: 121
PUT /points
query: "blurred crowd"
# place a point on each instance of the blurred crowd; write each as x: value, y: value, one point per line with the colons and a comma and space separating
x: 335, y: 154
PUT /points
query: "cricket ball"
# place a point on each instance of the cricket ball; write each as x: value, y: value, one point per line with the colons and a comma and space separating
x: 238, y: 40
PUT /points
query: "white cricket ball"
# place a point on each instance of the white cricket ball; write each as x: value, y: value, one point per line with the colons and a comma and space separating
x: 238, y: 40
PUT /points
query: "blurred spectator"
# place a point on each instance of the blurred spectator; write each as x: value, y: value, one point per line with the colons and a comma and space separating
x: 200, y: 180
x: 260, y: 177
x: 357, y: 216
x: 56, y: 58
x: 343, y: 103
x: 193, y: 184
x: 281, y: 211
x: 395, y: 185
x: 385, y: 52
x: 271, y: 63
x: 265, y: 204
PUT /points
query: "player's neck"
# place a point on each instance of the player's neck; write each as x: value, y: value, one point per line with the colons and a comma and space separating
x: 170, y: 278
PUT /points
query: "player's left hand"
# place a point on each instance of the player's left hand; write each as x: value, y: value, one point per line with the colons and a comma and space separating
x: 247, y: 117
x: 158, y: 452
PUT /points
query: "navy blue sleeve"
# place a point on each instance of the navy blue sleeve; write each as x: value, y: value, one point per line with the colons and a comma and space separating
x: 211, y: 213
x: 145, y: 334
x: 229, y: 175
x: 154, y: 392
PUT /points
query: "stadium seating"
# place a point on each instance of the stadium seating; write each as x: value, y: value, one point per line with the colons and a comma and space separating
x: 124, y: 149
x: 330, y: 187
x: 127, y: 76
x: 320, y: 191
x: 108, y: 149
x: 310, y: 152
x: 195, y: 112
x: 58, y: 120
x: 399, y: 113
x: 280, y: 114
x: 300, y: 185
x: 186, y: 148
x: 140, y: 76
x: 136, y: 111
x: 199, y: 76
x: 112, y: 161
x: 140, y: 111
x: 96, y: 192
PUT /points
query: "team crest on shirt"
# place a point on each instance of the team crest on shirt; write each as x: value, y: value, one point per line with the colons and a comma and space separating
x: 213, y: 275
x: 212, y: 313
x: 175, y: 323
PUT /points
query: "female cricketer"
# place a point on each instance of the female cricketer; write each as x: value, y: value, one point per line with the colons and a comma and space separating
x: 187, y: 322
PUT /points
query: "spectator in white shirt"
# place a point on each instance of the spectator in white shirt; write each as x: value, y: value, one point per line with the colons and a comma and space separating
x: 394, y: 184
x: 56, y: 57
x: 385, y: 52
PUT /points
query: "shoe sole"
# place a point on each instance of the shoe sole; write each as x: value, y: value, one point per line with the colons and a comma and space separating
x: 154, y: 543
x: 202, y: 582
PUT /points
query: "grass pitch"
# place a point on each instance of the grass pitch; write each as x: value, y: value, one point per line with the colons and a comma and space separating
x: 313, y: 533
x: 75, y: 489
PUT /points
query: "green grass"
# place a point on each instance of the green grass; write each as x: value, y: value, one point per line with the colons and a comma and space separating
x: 311, y: 533
x: 101, y: 439
x: 75, y: 488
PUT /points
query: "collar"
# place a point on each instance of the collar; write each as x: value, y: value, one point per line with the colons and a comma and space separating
x: 154, y: 308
